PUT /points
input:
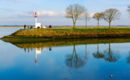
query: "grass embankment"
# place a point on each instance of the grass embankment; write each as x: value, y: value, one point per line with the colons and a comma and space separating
x: 26, y: 35
x: 73, y: 33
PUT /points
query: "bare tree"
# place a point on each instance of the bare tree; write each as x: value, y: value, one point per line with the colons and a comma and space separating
x: 111, y: 15
x: 74, y: 12
x: 98, y: 17
x: 129, y: 9
x: 87, y: 18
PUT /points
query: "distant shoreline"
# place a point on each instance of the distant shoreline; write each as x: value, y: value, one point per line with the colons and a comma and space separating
x: 11, y: 27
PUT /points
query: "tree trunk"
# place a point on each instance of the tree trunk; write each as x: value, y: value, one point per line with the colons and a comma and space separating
x: 74, y: 25
x: 86, y: 23
x: 109, y: 25
x: 98, y: 23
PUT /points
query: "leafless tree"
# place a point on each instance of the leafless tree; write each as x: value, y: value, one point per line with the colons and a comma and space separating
x: 98, y: 17
x: 111, y: 15
x: 87, y: 18
x: 74, y: 12
x: 129, y: 9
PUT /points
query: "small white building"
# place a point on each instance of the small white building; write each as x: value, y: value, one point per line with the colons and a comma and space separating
x: 39, y: 25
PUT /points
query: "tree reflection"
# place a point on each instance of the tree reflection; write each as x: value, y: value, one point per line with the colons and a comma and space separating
x: 86, y: 52
x: 110, y: 56
x: 98, y: 54
x: 128, y: 59
x: 50, y: 49
x: 74, y: 60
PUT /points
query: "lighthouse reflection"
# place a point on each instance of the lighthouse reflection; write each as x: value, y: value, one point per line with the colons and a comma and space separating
x: 38, y: 51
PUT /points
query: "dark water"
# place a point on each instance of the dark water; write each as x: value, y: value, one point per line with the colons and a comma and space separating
x: 110, y: 61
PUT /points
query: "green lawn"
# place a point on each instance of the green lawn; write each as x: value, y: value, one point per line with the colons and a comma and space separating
x: 91, y: 29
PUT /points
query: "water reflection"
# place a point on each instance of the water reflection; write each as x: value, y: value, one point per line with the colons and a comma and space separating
x: 98, y: 54
x: 38, y: 51
x: 128, y: 59
x: 73, y: 60
x: 110, y: 56
x: 107, y: 55
x: 94, y: 61
x: 86, y: 52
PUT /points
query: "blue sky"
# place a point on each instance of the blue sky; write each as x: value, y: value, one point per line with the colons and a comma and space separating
x: 20, y: 12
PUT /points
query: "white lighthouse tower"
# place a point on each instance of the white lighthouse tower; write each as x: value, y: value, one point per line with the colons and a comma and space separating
x: 36, y: 15
x: 37, y: 25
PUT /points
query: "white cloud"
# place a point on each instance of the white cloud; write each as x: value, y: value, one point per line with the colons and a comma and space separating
x: 41, y: 13
x: 50, y: 13
x: 25, y: 14
x: 92, y: 14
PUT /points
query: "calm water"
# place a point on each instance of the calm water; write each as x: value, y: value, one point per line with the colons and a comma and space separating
x: 110, y: 61
x: 7, y: 31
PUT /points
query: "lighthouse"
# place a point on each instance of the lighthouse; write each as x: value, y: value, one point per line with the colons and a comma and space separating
x: 36, y: 15
x: 37, y: 25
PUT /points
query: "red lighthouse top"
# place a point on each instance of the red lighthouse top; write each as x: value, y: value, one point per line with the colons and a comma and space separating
x: 36, y: 14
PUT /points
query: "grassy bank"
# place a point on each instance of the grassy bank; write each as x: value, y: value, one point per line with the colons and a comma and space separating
x: 78, y: 33
x: 64, y: 35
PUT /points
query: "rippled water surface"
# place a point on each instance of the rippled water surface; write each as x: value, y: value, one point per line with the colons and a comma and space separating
x: 109, y: 61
